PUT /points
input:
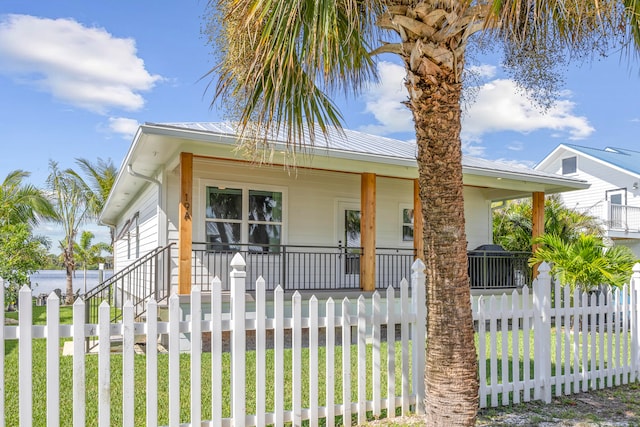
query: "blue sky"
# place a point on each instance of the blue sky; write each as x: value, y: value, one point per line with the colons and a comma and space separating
x: 77, y: 77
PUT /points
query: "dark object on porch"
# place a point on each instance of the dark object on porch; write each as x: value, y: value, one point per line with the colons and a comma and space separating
x: 491, y: 266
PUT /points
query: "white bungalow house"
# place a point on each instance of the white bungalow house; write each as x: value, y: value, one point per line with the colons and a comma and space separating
x: 185, y: 200
x: 614, y: 192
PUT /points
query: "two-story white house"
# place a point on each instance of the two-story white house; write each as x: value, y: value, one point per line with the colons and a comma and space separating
x: 614, y: 193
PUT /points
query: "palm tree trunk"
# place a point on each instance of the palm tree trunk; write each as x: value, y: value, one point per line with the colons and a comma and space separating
x: 451, y: 367
x: 68, y: 263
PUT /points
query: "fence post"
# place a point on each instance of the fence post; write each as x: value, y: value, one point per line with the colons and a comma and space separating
x: 237, y: 278
x: 542, y: 333
x: 25, y: 350
x: 635, y: 326
x: 419, y: 335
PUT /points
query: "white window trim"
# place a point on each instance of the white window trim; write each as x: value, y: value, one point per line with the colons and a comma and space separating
x: 401, y: 208
x: 200, y: 208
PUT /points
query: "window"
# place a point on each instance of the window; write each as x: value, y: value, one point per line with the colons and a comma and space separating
x: 235, y: 216
x: 569, y: 165
x: 407, y: 225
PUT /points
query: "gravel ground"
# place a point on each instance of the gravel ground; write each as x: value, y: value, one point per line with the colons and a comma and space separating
x: 619, y: 406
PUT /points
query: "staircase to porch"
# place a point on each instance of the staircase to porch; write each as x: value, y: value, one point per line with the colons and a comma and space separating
x: 149, y: 277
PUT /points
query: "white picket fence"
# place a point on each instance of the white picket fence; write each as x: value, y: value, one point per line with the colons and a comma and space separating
x: 562, y: 343
x: 405, y: 391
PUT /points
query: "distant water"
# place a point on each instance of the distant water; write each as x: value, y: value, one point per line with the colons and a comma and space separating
x: 45, y: 281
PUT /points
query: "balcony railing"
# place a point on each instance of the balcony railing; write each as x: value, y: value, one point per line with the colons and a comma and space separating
x: 338, y: 268
x: 616, y: 217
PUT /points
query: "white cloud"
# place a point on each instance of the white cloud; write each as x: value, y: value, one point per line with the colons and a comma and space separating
x: 483, y: 71
x: 123, y: 126
x: 384, y: 101
x: 501, y: 106
x: 84, y: 67
x: 516, y: 146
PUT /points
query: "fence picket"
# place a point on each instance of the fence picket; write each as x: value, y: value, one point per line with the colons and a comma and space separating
x: 362, y: 361
x: 128, y: 338
x: 278, y: 346
x: 567, y: 340
x: 526, y: 353
x: 196, y: 355
x: 482, y: 352
x: 216, y: 352
x: 152, y: 364
x: 25, y: 361
x: 493, y: 342
x: 261, y: 350
x: 404, y: 339
x: 104, y: 365
x: 593, y: 384
x: 79, y: 386
x: 237, y: 278
x: 313, y: 361
x: 174, y: 360
x: 601, y: 332
x: 345, y: 322
x: 375, y: 355
x: 557, y: 307
x: 53, y: 359
x: 296, y: 355
x: 391, y: 353
x: 625, y: 333
x: 504, y: 353
x: 610, y: 364
x: 515, y: 345
x: 419, y: 331
x: 330, y: 341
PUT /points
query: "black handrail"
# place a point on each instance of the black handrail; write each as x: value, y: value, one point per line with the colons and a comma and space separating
x: 140, y: 281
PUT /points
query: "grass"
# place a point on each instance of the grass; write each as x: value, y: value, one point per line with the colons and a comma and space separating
x: 66, y: 376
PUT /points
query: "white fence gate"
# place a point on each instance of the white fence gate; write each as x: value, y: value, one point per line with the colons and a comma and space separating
x: 563, y: 343
x: 368, y: 321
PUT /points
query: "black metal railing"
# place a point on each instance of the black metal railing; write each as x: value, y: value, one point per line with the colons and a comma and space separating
x: 496, y: 270
x: 146, y: 278
x: 298, y: 266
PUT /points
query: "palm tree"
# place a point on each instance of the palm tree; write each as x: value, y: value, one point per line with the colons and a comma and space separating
x: 21, y: 202
x: 281, y: 59
x: 512, y: 223
x: 89, y: 253
x: 70, y: 202
x: 98, y: 181
x: 585, y: 263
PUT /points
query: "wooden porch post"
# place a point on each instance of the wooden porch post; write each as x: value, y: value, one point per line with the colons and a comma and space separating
x: 368, y: 231
x: 418, y: 236
x: 185, y: 226
x: 537, y: 222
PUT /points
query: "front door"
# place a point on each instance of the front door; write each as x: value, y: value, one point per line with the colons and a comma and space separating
x: 350, y: 244
x: 618, y: 210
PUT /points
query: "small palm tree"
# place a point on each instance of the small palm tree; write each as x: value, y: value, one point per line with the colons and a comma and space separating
x: 98, y: 180
x: 585, y: 263
x: 72, y: 209
x: 88, y: 253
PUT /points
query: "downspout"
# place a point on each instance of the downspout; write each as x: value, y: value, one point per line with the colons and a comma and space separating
x: 162, y: 217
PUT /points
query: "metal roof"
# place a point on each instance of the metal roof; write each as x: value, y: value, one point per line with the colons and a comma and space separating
x: 156, y: 146
x: 620, y: 157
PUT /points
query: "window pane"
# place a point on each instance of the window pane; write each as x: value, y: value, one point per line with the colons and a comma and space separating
x: 407, y: 216
x: 223, y: 235
x: 224, y: 203
x: 569, y: 165
x: 266, y: 236
x: 407, y: 232
x: 265, y: 206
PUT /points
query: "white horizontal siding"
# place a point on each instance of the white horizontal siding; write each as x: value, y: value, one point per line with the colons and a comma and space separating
x: 129, y: 247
